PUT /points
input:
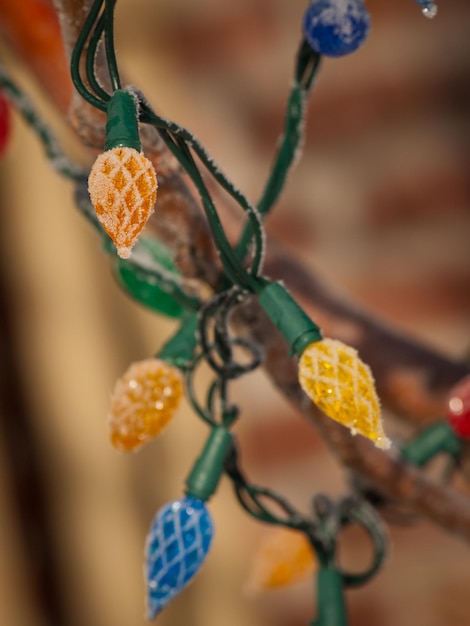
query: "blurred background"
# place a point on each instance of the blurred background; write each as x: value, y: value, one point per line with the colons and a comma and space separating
x: 379, y: 206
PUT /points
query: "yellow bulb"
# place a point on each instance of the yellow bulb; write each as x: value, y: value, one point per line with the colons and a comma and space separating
x: 144, y: 400
x: 284, y: 557
x: 342, y: 386
x: 123, y: 190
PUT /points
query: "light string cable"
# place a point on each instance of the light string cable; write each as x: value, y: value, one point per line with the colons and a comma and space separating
x: 178, y: 140
x: 217, y: 350
x: 54, y: 152
x: 97, y: 98
x: 321, y: 529
x: 290, y: 143
x: 98, y: 24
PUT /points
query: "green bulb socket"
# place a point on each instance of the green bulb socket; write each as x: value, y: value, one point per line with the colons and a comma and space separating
x: 209, y: 467
x: 295, y: 325
x: 179, y: 350
x: 437, y: 438
x: 330, y: 598
x: 122, y: 123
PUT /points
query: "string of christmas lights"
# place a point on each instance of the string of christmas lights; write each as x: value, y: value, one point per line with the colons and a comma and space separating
x: 329, y: 372
x: 123, y: 191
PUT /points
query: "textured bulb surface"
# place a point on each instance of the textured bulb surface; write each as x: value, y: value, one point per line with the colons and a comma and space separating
x: 336, y: 27
x: 177, y: 544
x: 123, y: 190
x: 143, y: 401
x: 284, y: 557
x: 342, y: 386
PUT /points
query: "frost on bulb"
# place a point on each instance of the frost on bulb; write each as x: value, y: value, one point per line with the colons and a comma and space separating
x: 143, y: 401
x: 342, y: 386
x: 284, y: 557
x: 177, y: 545
x: 336, y: 27
x: 123, y: 190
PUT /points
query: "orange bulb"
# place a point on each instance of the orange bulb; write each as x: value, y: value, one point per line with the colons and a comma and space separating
x: 284, y: 557
x: 342, y: 386
x: 143, y: 401
x: 123, y: 190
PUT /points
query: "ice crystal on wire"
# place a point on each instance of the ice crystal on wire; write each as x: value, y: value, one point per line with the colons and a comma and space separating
x: 177, y: 545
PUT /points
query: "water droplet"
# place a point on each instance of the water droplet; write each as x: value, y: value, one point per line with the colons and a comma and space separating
x: 430, y: 11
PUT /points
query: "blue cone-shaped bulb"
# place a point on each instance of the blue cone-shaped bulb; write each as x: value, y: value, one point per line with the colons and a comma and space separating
x: 177, y: 545
x: 336, y: 27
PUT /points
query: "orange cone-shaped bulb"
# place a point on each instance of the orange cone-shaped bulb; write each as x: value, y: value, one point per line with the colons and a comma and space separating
x: 143, y: 401
x: 283, y: 558
x: 123, y: 190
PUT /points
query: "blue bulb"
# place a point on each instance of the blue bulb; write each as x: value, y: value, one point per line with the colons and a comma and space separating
x: 177, y: 544
x: 336, y: 27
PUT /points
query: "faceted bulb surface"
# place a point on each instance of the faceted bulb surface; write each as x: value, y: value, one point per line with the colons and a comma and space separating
x: 143, y: 401
x: 342, y: 386
x: 123, y: 190
x: 177, y: 544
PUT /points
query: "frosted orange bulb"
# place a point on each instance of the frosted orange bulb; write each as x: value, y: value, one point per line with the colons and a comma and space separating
x: 342, y: 386
x: 284, y: 557
x: 143, y: 401
x: 123, y: 190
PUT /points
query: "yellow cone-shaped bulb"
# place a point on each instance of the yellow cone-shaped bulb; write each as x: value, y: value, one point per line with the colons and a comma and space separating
x: 123, y: 190
x: 144, y: 400
x: 342, y: 386
x: 284, y: 557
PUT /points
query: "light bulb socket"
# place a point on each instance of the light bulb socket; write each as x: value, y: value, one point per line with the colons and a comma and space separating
x: 436, y: 439
x: 330, y: 598
x: 179, y: 350
x: 209, y: 467
x: 122, y: 121
x: 288, y: 316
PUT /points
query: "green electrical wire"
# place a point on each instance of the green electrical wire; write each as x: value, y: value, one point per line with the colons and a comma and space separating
x: 232, y: 267
x: 179, y: 133
x: 306, y: 68
x: 109, y: 44
x: 77, y: 53
x: 230, y: 262
x: 94, y: 27
x: 57, y: 158
x: 191, y: 392
x: 91, y: 60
